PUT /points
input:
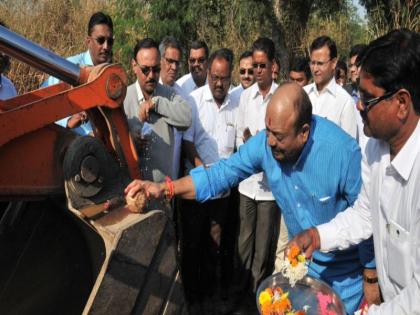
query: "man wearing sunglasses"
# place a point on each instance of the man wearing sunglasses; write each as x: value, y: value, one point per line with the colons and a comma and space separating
x: 99, y: 42
x: 258, y: 211
x: 329, y: 100
x: 389, y: 204
x: 246, y: 74
x: 197, y: 64
x: 154, y: 111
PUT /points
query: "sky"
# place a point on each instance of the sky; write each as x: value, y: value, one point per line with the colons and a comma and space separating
x: 361, y: 11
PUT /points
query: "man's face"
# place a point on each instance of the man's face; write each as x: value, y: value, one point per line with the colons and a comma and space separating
x: 285, y: 141
x: 100, y: 44
x: 298, y: 77
x: 219, y: 80
x: 379, y: 120
x: 246, y: 72
x: 353, y: 70
x: 263, y: 68
x: 322, y: 66
x: 341, y: 79
x: 147, y: 68
x: 169, y: 64
x: 197, y: 63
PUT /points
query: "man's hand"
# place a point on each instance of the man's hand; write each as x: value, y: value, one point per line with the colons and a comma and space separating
x: 371, y: 290
x: 77, y: 119
x: 308, y: 241
x: 152, y: 190
x: 145, y: 108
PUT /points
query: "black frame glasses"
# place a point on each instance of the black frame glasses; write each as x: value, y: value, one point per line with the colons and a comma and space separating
x: 172, y: 61
x: 368, y: 104
x: 102, y: 39
x: 249, y: 71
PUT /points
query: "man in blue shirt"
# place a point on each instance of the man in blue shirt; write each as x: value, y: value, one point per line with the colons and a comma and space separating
x: 313, y: 170
x: 99, y: 42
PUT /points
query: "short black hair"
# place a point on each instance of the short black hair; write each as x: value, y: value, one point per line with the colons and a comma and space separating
x: 341, y: 65
x: 222, y: 53
x: 322, y: 41
x: 198, y: 44
x: 265, y: 45
x: 99, y: 18
x: 393, y: 60
x: 356, y: 50
x: 245, y: 54
x: 169, y: 42
x: 301, y: 64
x: 143, y: 44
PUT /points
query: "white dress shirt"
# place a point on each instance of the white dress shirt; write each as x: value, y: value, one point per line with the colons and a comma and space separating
x: 389, y: 207
x: 236, y: 92
x: 213, y: 129
x: 251, y: 114
x: 335, y: 104
x: 187, y: 84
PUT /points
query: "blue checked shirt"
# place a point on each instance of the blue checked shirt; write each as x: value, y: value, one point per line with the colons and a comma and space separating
x: 325, y: 180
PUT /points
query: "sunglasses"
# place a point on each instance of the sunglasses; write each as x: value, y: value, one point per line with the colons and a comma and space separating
x: 197, y: 60
x: 259, y: 65
x: 102, y: 39
x: 368, y: 104
x: 146, y: 70
x: 243, y: 71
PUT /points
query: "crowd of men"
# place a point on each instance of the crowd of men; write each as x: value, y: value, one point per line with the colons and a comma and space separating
x: 325, y: 160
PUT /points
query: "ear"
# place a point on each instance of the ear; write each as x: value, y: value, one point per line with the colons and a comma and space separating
x: 88, y: 39
x: 334, y: 62
x: 133, y: 65
x: 405, y: 104
x: 304, y: 132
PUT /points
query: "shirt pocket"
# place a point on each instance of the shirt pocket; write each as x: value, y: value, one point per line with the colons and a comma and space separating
x: 399, y: 256
x: 324, y: 208
x: 229, y: 142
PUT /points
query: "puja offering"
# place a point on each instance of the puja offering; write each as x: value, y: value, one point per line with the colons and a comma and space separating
x: 295, y: 266
x: 308, y: 296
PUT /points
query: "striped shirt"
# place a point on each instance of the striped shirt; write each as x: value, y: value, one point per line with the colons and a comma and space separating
x: 324, y: 181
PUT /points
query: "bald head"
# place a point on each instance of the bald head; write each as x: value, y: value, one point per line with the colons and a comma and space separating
x: 287, y: 121
x: 290, y: 103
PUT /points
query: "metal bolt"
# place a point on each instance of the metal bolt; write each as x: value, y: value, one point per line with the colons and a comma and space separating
x: 77, y: 178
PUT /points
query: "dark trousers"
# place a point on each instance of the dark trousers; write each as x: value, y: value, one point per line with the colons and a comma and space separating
x: 257, y: 241
x: 202, y: 246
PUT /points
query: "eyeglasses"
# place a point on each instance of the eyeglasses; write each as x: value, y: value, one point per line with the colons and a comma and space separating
x: 224, y: 80
x: 259, y: 65
x: 243, y: 71
x: 368, y: 104
x: 146, y: 70
x: 197, y: 60
x: 172, y: 61
x: 314, y: 63
x: 102, y: 39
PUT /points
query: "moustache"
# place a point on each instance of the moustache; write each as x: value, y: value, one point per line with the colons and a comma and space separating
x: 151, y: 81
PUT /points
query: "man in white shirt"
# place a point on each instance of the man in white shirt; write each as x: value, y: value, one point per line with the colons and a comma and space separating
x: 246, y: 74
x: 210, y: 138
x: 197, y: 63
x: 389, y: 203
x: 329, y: 100
x: 258, y: 211
x: 171, y: 52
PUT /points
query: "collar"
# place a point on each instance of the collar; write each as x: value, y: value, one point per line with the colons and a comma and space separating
x: 208, y: 97
x: 404, y: 161
x: 87, y: 58
x: 140, y: 96
x: 255, y: 92
x: 330, y: 88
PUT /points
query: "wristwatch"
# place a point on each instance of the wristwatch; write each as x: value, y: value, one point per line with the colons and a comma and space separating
x: 370, y: 280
